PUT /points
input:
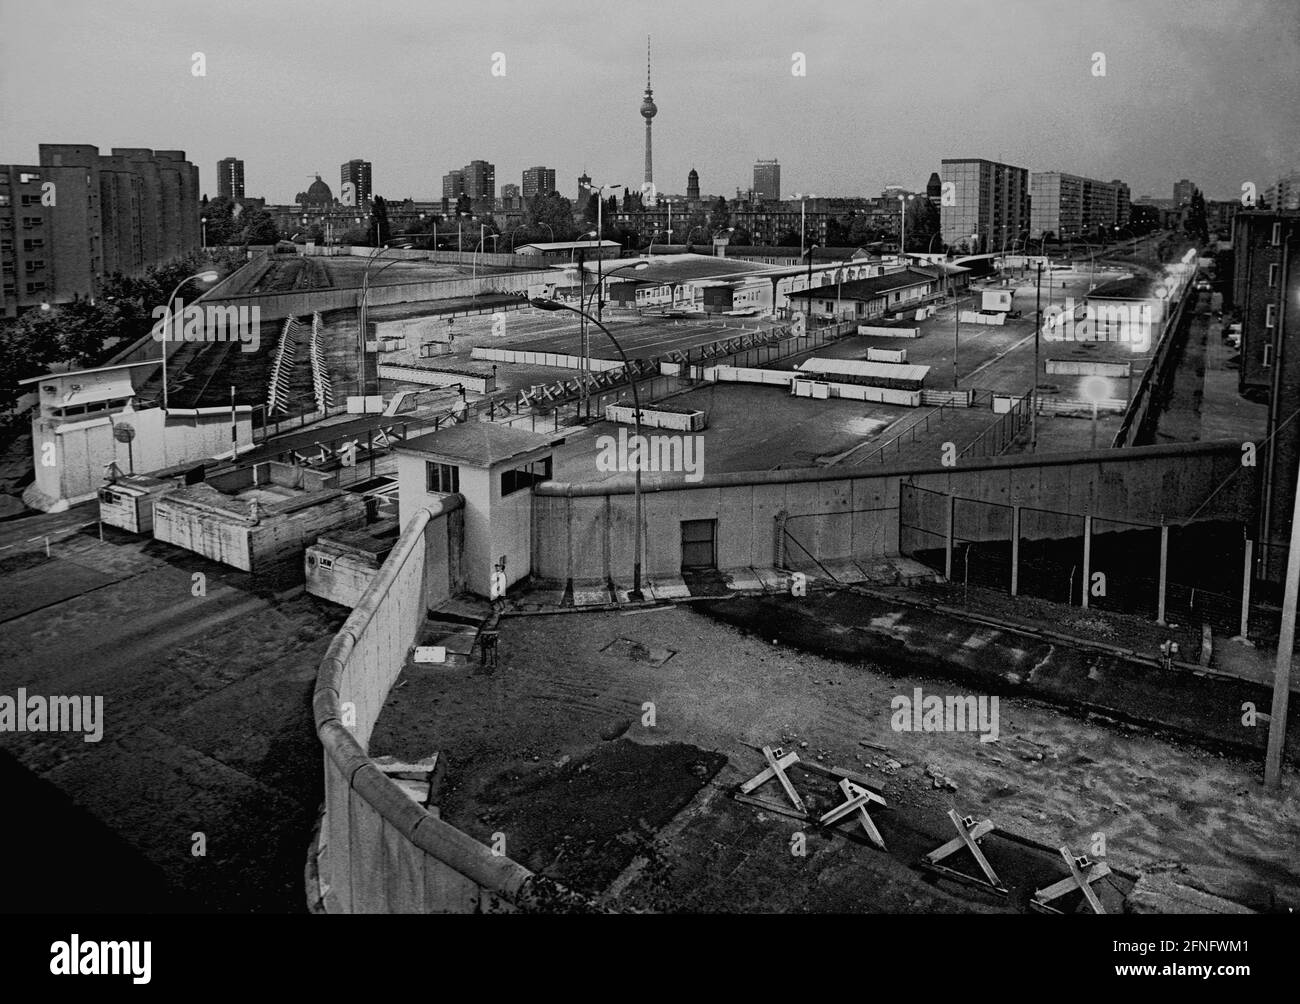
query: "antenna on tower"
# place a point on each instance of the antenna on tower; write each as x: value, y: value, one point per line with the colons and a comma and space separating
x: 647, y: 62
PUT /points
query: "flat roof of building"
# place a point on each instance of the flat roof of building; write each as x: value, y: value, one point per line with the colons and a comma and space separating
x: 565, y: 245
x: 687, y: 267
x: 862, y: 368
x: 80, y: 373
x: 869, y: 289
x: 480, y: 444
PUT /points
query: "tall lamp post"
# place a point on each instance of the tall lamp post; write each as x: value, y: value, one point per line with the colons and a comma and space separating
x: 809, y: 255
x: 208, y: 275
x: 1096, y: 389
x: 903, y: 200
x: 1038, y: 330
x: 585, y: 304
x: 956, y: 325
x: 363, y: 303
x: 600, y: 239
x: 543, y: 303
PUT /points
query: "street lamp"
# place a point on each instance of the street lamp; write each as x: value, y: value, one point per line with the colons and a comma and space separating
x: 585, y: 302
x: 1095, y: 389
x: 542, y: 303
x: 205, y: 276
x: 600, y: 233
x: 809, y: 255
x: 903, y: 200
x: 362, y: 309
x: 203, y: 221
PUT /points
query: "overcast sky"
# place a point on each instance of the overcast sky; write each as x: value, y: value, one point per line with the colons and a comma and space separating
x: 1204, y: 89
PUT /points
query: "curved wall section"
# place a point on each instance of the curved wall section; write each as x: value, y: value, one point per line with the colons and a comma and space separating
x: 379, y: 851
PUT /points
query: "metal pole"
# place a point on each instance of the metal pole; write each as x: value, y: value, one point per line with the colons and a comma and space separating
x: 1087, y: 559
x: 1038, y: 330
x: 1245, y: 589
x: 952, y: 519
x: 1164, y: 574
x: 1285, y: 645
x: 1015, y: 550
x: 956, y: 330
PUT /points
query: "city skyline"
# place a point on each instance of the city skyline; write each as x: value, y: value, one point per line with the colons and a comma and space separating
x: 1173, y: 103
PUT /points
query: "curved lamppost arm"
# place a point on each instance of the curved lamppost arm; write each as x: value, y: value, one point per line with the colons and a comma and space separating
x: 170, y: 330
x: 547, y: 304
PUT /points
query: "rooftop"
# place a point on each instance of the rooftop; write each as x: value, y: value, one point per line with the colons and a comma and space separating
x: 869, y: 289
x: 564, y: 245
x: 479, y: 444
x: 686, y: 267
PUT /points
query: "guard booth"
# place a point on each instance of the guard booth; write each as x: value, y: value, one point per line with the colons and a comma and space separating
x: 493, y: 468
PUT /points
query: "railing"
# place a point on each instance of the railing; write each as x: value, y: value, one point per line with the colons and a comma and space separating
x: 998, y: 436
x: 939, y: 414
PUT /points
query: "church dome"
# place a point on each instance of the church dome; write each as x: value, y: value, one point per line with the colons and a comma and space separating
x: 318, y: 192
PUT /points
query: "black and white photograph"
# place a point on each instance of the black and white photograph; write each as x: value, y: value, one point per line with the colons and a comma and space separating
x: 666, y: 464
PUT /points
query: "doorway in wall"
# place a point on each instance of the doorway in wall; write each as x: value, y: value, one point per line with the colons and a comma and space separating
x: 699, y: 548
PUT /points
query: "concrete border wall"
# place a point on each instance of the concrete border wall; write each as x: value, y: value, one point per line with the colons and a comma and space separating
x: 275, y: 306
x: 853, y: 512
x: 379, y: 851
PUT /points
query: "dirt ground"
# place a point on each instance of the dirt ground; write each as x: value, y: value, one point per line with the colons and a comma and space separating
x: 566, y: 680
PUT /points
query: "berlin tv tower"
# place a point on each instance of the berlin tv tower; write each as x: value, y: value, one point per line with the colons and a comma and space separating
x: 648, y: 112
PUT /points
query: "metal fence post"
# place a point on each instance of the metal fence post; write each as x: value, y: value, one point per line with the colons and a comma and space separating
x: 1087, y: 560
x: 952, y: 519
x: 1015, y: 550
x: 1245, y: 589
x: 1164, y: 568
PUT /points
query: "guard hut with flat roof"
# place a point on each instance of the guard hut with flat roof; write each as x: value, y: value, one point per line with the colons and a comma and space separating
x: 493, y: 468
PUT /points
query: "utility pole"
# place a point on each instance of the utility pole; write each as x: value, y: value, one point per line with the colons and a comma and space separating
x: 582, y: 330
x: 956, y: 328
x: 1285, y: 646
x: 1033, y: 392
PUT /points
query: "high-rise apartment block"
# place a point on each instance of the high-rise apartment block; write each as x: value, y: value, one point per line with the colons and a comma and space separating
x: 230, y: 178
x: 1070, y: 207
x: 80, y: 216
x: 538, y: 181
x: 990, y: 203
x: 767, y: 180
x: 357, y: 174
x: 480, y: 180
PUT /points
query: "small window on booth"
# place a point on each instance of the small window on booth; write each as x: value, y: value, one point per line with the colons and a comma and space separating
x: 525, y: 477
x: 444, y: 478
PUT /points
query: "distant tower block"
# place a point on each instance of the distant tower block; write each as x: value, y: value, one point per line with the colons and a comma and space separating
x: 693, y: 187
x: 648, y: 112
